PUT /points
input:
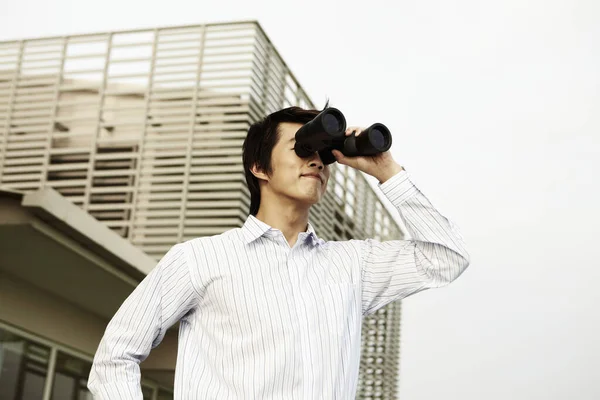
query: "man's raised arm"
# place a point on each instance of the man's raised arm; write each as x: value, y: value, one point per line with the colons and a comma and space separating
x: 434, y: 256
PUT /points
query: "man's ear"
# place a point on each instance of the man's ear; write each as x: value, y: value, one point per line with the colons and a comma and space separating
x: 258, y: 173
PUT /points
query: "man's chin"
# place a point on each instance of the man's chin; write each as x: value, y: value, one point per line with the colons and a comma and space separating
x: 316, y: 200
x: 310, y: 200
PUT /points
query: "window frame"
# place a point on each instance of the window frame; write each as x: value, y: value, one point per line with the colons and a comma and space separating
x: 55, y: 348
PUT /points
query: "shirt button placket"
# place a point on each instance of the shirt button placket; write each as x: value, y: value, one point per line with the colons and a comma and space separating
x: 295, y: 271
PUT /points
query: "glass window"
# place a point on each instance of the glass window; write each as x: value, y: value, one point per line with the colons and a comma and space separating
x: 70, y: 378
x: 23, y: 367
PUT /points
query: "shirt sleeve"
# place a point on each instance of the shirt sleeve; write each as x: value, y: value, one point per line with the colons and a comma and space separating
x: 432, y: 257
x: 163, y: 297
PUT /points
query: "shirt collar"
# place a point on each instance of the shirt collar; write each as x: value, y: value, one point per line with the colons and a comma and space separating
x: 254, y: 228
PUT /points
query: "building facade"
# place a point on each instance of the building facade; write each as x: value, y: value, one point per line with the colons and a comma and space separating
x: 143, y: 130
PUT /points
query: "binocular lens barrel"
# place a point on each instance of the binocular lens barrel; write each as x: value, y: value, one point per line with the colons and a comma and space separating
x: 333, y: 123
x: 327, y: 126
x: 327, y: 131
x: 377, y: 138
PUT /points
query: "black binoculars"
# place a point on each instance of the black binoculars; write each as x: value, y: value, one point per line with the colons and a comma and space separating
x: 327, y: 131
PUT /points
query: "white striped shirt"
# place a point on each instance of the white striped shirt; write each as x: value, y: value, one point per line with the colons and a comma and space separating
x: 261, y: 320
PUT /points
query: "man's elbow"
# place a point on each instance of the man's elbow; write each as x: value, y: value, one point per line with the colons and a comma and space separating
x: 456, y: 268
x: 443, y: 273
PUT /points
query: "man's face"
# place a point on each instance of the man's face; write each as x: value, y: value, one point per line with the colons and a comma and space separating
x: 289, y: 171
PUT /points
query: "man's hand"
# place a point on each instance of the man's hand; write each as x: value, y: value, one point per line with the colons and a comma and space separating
x: 382, y: 166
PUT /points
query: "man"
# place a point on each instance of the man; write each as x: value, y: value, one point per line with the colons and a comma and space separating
x: 270, y: 310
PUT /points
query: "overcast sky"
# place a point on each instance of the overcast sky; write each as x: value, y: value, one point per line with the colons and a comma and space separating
x: 495, y: 110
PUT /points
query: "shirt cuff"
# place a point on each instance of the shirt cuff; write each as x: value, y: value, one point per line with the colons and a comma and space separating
x: 398, y: 188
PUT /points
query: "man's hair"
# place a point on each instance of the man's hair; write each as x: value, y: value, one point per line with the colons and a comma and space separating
x: 260, y: 141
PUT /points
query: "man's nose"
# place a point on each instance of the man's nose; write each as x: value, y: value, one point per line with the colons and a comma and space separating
x: 316, y: 161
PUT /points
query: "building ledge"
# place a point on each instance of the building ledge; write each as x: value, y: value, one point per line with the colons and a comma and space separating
x: 56, y: 246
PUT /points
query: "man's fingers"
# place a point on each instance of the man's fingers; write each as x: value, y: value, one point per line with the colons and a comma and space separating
x: 351, y: 129
x: 339, y: 156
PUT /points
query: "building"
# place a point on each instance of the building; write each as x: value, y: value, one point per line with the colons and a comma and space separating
x: 115, y: 146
